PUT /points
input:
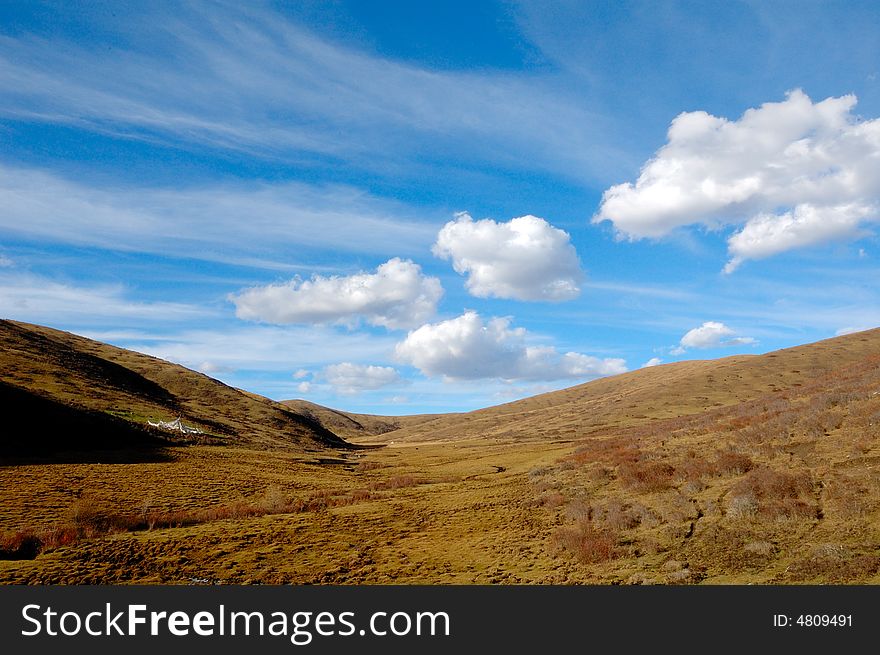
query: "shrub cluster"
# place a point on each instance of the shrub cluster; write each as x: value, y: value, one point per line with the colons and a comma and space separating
x: 772, y: 494
x: 588, y: 543
x: 646, y: 476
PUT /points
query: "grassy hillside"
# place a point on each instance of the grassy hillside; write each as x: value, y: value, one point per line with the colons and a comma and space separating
x: 647, y: 395
x: 782, y: 487
x: 81, y: 375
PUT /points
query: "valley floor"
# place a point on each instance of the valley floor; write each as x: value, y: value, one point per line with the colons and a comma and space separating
x: 417, y: 514
x: 442, y: 513
x: 760, y: 470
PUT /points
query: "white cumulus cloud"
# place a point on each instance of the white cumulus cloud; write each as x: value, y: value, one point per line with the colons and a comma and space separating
x: 711, y: 334
x: 396, y: 296
x: 805, y: 225
x: 348, y: 378
x: 469, y: 348
x: 525, y: 258
x: 793, y: 174
x: 654, y: 361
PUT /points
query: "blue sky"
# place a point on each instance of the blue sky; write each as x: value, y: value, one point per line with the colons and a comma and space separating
x: 415, y: 207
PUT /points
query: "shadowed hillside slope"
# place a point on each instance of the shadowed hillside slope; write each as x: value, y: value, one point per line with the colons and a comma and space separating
x: 37, y: 426
x: 646, y: 395
x: 63, y: 370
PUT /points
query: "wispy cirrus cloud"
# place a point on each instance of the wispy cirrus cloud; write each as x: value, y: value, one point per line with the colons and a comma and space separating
x: 254, y: 223
x: 250, y: 79
x: 261, y: 349
x: 34, y: 298
x: 850, y: 330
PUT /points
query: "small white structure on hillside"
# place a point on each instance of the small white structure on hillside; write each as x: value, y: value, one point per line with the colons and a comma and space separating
x: 176, y: 425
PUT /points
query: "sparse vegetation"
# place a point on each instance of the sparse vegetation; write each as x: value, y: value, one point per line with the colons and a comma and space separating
x: 586, y: 542
x: 646, y: 477
x: 765, y: 475
x: 85, y: 521
x: 774, y: 494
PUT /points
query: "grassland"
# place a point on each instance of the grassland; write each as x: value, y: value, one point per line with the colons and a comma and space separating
x: 408, y: 514
x: 757, y: 469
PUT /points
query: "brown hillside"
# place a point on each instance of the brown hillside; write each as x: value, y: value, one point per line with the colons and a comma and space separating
x: 646, y: 395
x: 82, y: 374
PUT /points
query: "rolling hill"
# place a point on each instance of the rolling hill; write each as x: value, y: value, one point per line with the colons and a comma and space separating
x: 66, y: 392
x: 646, y: 395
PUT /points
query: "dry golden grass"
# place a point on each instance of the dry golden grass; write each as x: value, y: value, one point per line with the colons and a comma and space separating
x: 418, y: 516
x: 745, y: 470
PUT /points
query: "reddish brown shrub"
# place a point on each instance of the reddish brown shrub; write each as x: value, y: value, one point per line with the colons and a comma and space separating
x: 619, y: 515
x: 693, y: 468
x: 361, y: 494
x: 586, y: 542
x: 765, y: 482
x: 646, y: 476
x: 733, y: 463
x: 368, y: 466
x: 774, y: 494
x: 599, y: 474
x: 85, y: 521
x: 615, y: 451
x: 834, y: 564
x: 58, y: 537
x: 579, y: 510
x: 89, y: 521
